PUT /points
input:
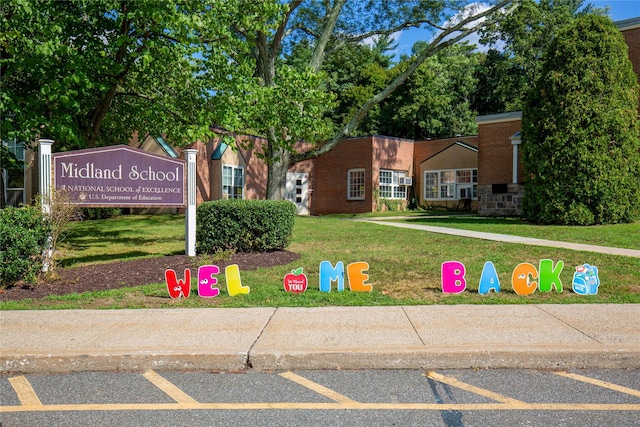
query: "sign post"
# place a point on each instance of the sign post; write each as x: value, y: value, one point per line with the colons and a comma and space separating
x: 190, y: 213
x: 44, y: 165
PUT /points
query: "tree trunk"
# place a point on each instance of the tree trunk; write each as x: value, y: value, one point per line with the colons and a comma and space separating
x: 276, y: 177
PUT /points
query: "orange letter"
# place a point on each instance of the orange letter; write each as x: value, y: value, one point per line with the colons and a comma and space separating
x: 355, y: 272
x: 520, y: 279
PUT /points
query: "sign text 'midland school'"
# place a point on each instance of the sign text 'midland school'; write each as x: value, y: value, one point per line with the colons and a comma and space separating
x: 120, y: 176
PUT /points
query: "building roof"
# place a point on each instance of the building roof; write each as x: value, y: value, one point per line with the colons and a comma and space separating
x: 628, y: 24
x: 499, y: 118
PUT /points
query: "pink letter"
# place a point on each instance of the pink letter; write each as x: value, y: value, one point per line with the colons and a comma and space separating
x: 453, y: 281
x: 206, y: 281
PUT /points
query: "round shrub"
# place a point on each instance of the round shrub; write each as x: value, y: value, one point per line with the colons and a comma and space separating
x: 581, y: 131
x: 244, y: 225
x: 23, y: 236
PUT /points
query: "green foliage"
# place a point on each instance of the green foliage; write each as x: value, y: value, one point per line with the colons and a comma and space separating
x: 89, y: 73
x: 434, y: 102
x: 23, y: 236
x: 244, y: 225
x: 522, y: 35
x: 99, y: 213
x: 581, y: 130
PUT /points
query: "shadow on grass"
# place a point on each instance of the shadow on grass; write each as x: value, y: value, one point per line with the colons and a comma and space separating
x: 104, y: 258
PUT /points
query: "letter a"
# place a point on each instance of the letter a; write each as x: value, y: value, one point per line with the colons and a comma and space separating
x: 488, y: 279
x: 452, y: 273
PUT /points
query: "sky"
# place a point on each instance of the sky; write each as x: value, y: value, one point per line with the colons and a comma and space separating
x: 619, y: 11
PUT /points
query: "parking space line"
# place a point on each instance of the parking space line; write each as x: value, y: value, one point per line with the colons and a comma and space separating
x: 473, y: 389
x: 24, y: 390
x: 330, y: 406
x: 169, y: 388
x: 327, y: 392
x: 600, y: 383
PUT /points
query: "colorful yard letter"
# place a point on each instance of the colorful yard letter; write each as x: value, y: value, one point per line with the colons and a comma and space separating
x: 585, y: 280
x: 206, y: 281
x: 234, y: 284
x: 488, y: 279
x: 330, y: 274
x: 178, y: 288
x: 452, y: 273
x: 549, y: 276
x: 520, y: 279
x: 357, y: 277
x: 296, y: 281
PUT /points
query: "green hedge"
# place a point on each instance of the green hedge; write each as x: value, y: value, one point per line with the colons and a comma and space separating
x: 244, y: 225
x: 23, y: 236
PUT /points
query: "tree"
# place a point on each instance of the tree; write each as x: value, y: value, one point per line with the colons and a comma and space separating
x: 519, y: 41
x: 435, y: 101
x: 581, y: 130
x: 328, y: 25
x: 89, y: 73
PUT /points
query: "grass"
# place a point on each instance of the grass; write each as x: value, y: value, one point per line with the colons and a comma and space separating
x: 619, y: 235
x: 404, y: 264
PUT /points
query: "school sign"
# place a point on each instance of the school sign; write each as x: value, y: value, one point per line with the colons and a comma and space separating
x: 120, y: 176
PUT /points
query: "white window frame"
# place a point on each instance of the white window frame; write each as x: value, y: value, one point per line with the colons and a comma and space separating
x: 356, y: 184
x: 449, y: 183
x: 389, y: 184
x: 18, y: 149
x: 228, y: 191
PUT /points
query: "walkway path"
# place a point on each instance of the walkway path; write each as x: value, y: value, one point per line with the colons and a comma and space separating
x: 503, y: 237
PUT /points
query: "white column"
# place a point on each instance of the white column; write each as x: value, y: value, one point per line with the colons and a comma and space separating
x: 45, y: 173
x: 44, y: 150
x: 515, y: 142
x: 190, y: 214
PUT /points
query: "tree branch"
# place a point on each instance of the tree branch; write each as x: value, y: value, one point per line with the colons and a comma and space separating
x: 438, y: 44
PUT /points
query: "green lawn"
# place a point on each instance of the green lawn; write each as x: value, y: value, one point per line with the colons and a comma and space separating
x: 619, y: 235
x: 404, y: 264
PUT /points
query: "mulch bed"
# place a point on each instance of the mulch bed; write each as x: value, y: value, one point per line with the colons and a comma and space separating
x: 136, y: 272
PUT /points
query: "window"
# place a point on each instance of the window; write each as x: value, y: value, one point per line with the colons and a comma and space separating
x: 232, y: 182
x: 447, y: 184
x: 431, y: 185
x: 14, y: 178
x: 451, y: 184
x: 392, y: 184
x: 355, y: 184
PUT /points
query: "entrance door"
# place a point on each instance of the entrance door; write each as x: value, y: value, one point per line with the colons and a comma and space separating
x: 297, y: 190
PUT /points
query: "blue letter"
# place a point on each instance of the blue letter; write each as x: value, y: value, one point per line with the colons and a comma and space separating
x: 330, y: 274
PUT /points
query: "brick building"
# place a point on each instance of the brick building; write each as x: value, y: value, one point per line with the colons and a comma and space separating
x: 365, y: 174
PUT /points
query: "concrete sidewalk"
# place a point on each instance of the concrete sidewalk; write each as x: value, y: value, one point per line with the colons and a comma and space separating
x: 430, y: 337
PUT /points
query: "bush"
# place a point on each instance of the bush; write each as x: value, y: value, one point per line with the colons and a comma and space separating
x: 99, y: 213
x: 580, y: 130
x: 23, y: 236
x: 244, y: 225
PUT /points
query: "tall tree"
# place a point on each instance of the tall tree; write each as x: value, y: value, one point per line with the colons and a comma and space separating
x: 522, y: 37
x: 581, y: 130
x: 328, y: 25
x: 435, y: 101
x: 89, y: 73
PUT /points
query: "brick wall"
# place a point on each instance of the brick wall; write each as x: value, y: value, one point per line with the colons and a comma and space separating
x: 330, y: 178
x: 495, y: 166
